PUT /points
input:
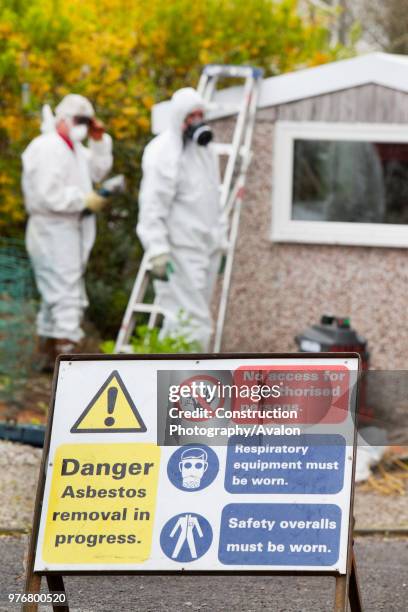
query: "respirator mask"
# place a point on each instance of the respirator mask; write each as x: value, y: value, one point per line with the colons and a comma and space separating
x: 79, y: 128
x: 192, y: 470
x: 199, y: 132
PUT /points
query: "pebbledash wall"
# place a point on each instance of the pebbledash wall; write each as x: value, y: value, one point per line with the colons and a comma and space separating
x: 279, y: 289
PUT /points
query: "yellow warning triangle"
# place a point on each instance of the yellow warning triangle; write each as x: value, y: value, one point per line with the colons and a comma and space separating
x: 110, y: 410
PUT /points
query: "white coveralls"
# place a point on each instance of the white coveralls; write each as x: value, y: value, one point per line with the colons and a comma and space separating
x: 186, y: 524
x: 180, y: 214
x: 56, y: 181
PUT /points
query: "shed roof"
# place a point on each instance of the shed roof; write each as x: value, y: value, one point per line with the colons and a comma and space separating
x: 383, y: 69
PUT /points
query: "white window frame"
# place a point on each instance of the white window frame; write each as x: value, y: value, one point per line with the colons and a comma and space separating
x: 285, y: 229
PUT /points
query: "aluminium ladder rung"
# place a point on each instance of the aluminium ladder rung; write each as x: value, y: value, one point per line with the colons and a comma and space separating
x: 224, y: 107
x: 127, y: 349
x: 229, y: 70
x: 225, y: 148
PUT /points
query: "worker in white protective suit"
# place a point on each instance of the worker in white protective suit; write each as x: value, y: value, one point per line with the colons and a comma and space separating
x: 181, y: 224
x: 58, y: 172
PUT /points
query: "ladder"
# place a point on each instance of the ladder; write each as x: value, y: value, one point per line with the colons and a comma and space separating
x: 238, y: 153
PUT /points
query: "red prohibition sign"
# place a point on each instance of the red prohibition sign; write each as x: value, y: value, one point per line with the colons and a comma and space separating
x: 204, y: 405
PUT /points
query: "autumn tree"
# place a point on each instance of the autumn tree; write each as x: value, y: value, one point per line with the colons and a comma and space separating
x: 386, y: 24
x: 125, y: 55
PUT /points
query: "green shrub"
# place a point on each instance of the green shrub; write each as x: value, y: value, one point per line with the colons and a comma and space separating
x: 146, y: 340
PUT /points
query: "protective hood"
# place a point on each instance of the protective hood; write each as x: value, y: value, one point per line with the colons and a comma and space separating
x: 183, y: 102
x: 74, y: 104
x: 47, y: 119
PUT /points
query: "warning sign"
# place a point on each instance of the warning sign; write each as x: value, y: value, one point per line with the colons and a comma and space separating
x: 211, y: 464
x: 102, y: 503
x: 110, y: 410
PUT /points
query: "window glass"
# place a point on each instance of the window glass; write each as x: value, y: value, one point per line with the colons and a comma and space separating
x: 349, y: 181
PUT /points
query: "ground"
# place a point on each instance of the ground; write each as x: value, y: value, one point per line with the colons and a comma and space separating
x: 382, y: 562
x: 34, y: 394
x: 382, y: 568
x: 35, y: 402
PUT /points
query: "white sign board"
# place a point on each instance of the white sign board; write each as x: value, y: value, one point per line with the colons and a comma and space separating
x: 238, y: 463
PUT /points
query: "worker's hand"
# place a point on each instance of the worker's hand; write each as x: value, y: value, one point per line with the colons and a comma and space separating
x: 160, y: 266
x: 95, y: 202
x: 96, y: 129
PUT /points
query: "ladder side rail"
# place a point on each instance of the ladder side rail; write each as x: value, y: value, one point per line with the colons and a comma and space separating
x: 155, y: 313
x: 236, y: 142
x: 246, y: 157
x: 232, y: 197
x: 237, y: 139
x: 238, y: 185
x: 236, y: 213
x: 208, y: 89
x: 138, y: 293
x: 152, y: 322
x: 202, y: 83
x: 222, y: 309
x: 246, y: 150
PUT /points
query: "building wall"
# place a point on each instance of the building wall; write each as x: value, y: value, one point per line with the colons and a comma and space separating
x: 280, y: 289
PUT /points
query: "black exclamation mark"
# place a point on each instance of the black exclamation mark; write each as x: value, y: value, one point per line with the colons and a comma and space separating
x: 112, y: 395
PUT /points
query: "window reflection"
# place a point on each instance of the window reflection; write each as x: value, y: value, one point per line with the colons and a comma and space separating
x: 348, y: 181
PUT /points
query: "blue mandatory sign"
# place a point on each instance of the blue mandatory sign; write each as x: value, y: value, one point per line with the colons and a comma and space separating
x: 186, y: 537
x: 313, y: 463
x: 193, y: 467
x: 280, y: 534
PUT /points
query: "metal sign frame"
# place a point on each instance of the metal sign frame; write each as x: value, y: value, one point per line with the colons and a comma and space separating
x: 347, y: 589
